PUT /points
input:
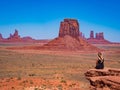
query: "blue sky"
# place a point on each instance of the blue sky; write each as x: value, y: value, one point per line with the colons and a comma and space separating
x: 40, y: 19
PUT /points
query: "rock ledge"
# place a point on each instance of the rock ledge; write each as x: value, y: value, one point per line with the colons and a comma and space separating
x: 104, y: 79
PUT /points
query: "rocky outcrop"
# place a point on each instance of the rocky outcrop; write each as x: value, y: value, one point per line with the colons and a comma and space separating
x: 15, y: 36
x: 104, y: 79
x: 98, y: 39
x: 69, y: 27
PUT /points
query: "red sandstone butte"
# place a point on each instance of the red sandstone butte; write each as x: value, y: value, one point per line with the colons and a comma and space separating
x: 69, y: 27
x: 69, y: 38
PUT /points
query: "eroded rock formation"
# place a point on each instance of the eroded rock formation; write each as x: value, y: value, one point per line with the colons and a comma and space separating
x: 99, y: 36
x: 92, y: 35
x: 82, y: 35
x: 98, y: 39
x: 15, y: 36
x: 104, y: 79
x: 69, y: 27
x: 1, y: 38
x: 69, y: 38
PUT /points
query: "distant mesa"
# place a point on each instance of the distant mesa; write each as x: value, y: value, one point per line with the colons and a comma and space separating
x: 27, y: 38
x: 1, y: 38
x: 69, y: 38
x: 98, y: 39
x: 15, y: 36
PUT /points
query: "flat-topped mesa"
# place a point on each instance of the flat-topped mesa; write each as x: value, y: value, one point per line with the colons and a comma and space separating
x: 69, y: 27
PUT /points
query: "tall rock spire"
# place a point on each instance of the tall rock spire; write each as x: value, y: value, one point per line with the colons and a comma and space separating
x: 91, y: 34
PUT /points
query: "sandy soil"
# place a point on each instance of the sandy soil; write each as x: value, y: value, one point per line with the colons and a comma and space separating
x: 51, y: 70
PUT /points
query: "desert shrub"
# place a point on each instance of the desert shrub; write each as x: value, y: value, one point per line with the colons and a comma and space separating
x: 33, y: 65
x: 31, y: 74
x: 63, y: 81
x: 25, y: 81
x: 31, y: 82
x: 60, y: 87
x: 70, y: 85
x: 19, y: 78
x: 12, y: 87
x: 43, y: 86
x: 7, y: 80
x: 36, y: 89
x: 73, y: 84
x: 11, y: 78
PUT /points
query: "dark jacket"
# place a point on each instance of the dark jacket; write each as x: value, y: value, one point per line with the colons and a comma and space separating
x: 100, y: 64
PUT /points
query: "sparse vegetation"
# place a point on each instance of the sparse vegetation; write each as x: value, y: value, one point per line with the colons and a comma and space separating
x: 60, y: 87
x: 12, y: 88
x: 19, y: 78
x: 31, y: 74
x: 36, y: 89
x: 51, y: 66
x: 31, y: 82
x: 63, y: 81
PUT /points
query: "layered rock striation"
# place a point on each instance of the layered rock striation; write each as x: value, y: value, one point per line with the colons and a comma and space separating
x: 69, y: 27
x: 104, y: 79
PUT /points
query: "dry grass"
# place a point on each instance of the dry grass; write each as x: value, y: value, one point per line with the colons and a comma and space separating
x: 51, y: 66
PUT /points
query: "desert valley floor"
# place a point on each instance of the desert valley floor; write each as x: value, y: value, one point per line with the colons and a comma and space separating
x: 51, y: 70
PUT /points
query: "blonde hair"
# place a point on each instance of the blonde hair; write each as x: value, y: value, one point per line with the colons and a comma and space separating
x: 100, y: 56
